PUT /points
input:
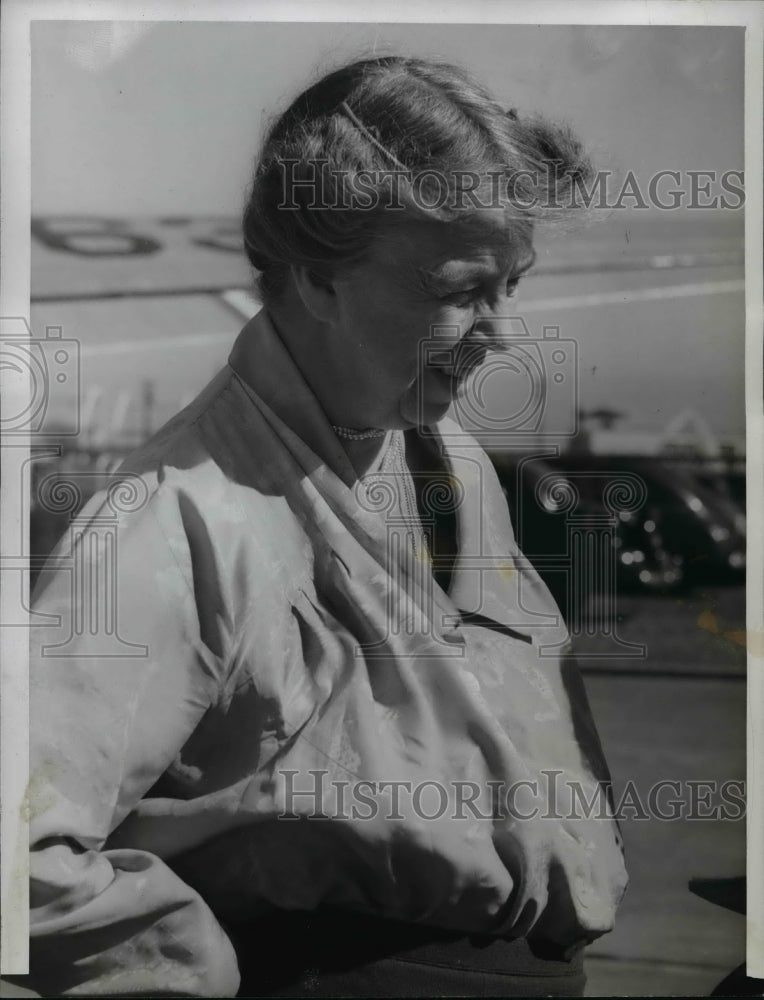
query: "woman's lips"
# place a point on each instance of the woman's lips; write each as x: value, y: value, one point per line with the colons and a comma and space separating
x: 456, y: 365
x: 444, y: 373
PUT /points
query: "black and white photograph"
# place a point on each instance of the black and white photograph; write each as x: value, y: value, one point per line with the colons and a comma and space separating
x: 381, y: 544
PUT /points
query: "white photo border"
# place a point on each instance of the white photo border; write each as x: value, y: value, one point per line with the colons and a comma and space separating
x: 15, y: 84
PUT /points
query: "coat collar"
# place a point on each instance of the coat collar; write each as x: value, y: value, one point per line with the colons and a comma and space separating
x: 263, y: 363
x: 487, y: 573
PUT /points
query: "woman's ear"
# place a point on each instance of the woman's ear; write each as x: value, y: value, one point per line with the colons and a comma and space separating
x: 317, y: 293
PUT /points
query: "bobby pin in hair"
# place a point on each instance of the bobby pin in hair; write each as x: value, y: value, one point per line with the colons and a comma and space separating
x: 346, y: 110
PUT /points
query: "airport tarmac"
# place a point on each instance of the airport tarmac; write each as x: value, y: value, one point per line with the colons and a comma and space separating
x: 678, y: 715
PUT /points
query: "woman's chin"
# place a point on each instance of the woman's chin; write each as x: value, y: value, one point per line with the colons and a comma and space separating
x: 419, y: 412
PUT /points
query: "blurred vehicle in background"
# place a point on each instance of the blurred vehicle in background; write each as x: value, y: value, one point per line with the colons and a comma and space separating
x: 699, y: 520
x: 682, y: 529
x: 730, y: 483
x: 539, y: 493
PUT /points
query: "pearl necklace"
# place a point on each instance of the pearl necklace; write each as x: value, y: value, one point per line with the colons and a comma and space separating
x: 355, y: 435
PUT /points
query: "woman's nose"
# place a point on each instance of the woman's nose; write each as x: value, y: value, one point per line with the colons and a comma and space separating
x: 488, y: 330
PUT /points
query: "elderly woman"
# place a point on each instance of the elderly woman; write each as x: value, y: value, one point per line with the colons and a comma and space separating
x: 327, y: 737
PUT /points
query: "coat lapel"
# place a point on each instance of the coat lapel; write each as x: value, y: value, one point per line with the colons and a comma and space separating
x: 489, y: 577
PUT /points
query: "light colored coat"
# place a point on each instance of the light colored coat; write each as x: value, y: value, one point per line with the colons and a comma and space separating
x: 272, y: 654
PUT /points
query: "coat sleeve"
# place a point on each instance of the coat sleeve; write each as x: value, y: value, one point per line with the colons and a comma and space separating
x: 129, y: 656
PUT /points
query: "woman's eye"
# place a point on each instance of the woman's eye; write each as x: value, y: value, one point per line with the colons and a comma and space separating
x: 464, y: 297
x: 468, y: 296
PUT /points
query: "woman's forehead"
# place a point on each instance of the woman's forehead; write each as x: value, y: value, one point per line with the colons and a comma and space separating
x: 440, y: 246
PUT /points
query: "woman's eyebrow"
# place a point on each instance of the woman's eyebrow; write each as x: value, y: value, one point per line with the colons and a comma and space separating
x: 446, y: 272
x: 439, y: 274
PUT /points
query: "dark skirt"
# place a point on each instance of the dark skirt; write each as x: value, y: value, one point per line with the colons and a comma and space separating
x: 331, y: 953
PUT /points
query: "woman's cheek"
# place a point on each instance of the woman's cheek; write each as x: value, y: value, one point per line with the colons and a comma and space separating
x: 461, y: 319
